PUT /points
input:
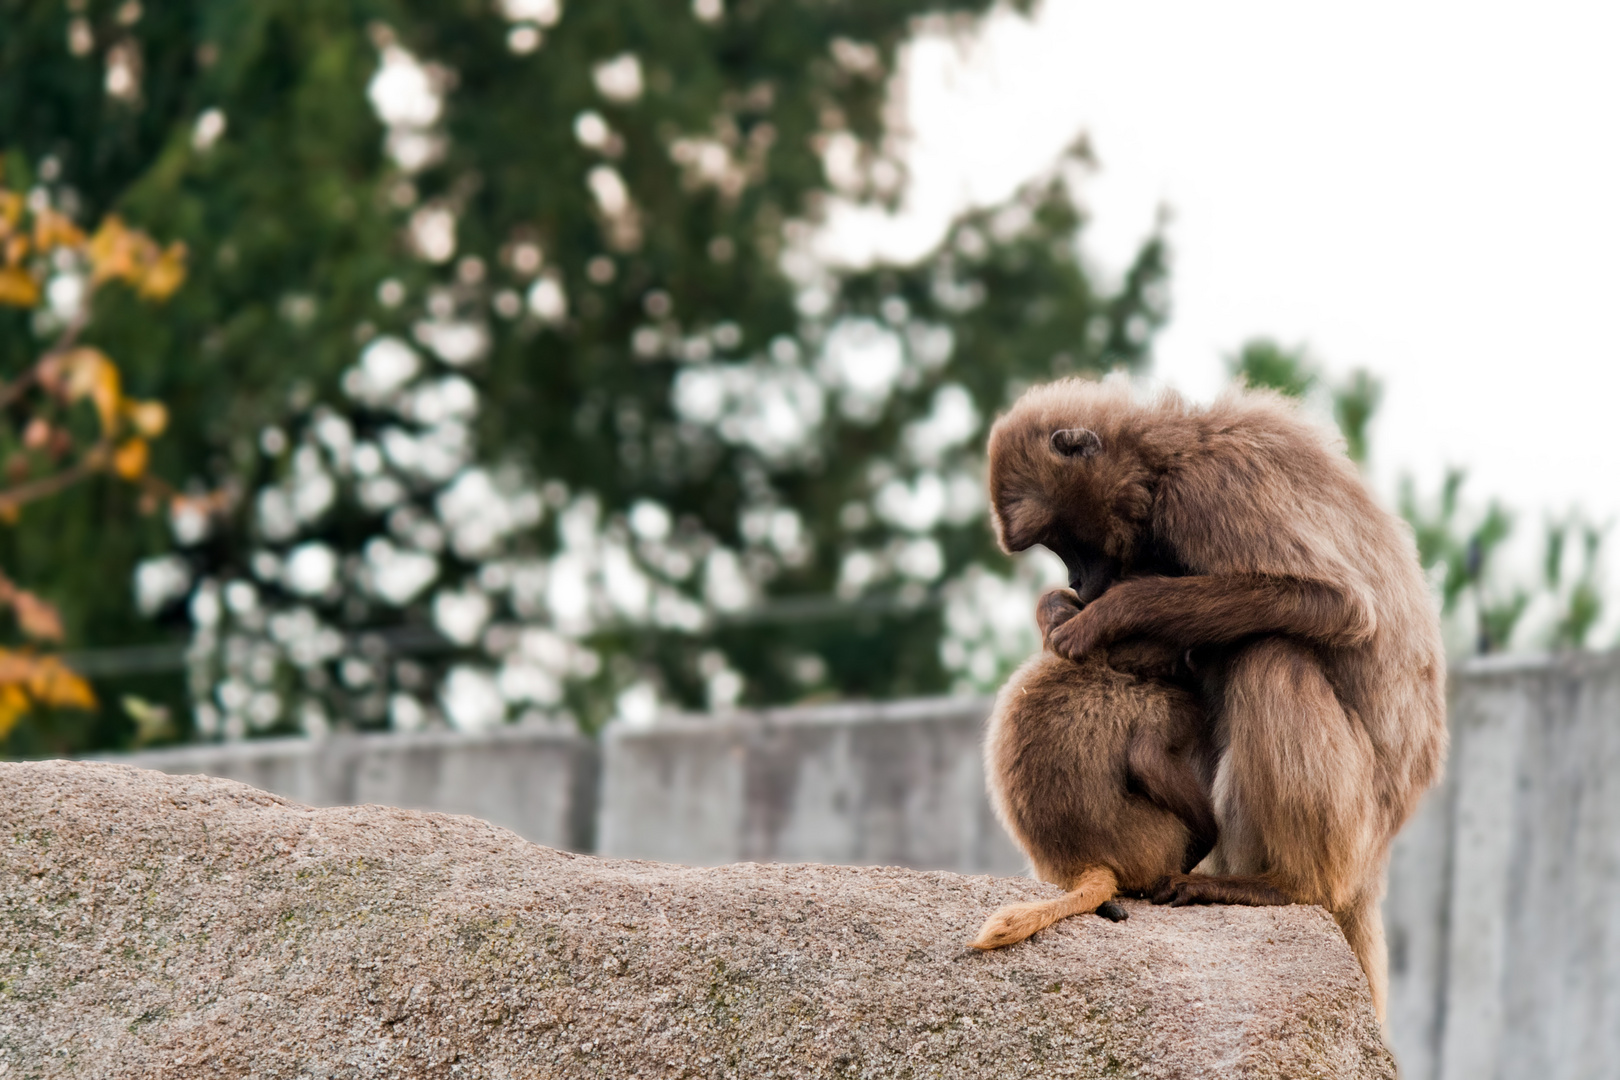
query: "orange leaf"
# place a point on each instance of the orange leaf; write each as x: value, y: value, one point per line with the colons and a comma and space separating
x: 11, y: 208
x: 129, y: 460
x: 37, y: 435
x: 37, y: 618
x: 17, y: 287
x: 16, y: 249
x: 149, y: 417
x: 26, y: 679
x: 15, y: 667
x: 164, y: 274
x: 13, y: 707
x: 119, y: 252
x: 54, y: 683
x: 52, y: 229
x: 86, y: 372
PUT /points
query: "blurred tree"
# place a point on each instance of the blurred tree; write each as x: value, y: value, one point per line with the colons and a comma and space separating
x: 515, y: 341
x: 1579, y: 599
x: 1463, y: 560
x: 1262, y: 362
x: 66, y: 418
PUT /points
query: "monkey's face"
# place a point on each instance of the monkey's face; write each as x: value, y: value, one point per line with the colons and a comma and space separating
x: 1091, y: 571
x: 1059, y: 515
x: 1067, y: 475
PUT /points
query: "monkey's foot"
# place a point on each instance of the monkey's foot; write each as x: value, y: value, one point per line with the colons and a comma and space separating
x: 1113, y: 912
x: 1179, y: 890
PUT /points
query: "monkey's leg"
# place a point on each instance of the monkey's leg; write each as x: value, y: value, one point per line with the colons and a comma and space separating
x: 1296, y: 780
x: 1171, y: 781
x: 1095, y: 888
x: 1296, y: 801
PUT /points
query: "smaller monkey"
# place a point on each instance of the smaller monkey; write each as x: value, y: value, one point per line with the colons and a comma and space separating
x: 1098, y: 769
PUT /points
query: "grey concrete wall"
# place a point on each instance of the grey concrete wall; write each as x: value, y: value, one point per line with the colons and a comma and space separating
x: 1504, y: 902
x: 899, y: 783
x: 540, y: 784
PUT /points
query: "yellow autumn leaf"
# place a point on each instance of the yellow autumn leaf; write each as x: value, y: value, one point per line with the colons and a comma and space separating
x: 162, y: 275
x: 52, y: 229
x: 129, y: 460
x: 27, y: 680
x: 37, y: 618
x: 16, y: 249
x: 17, y: 287
x: 11, y: 208
x: 13, y: 707
x: 115, y: 250
x: 88, y: 373
x: 148, y: 417
x: 54, y: 683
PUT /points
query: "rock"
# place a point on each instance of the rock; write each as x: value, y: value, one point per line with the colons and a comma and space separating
x: 182, y: 926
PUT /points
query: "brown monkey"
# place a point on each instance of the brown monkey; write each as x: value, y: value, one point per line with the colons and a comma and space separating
x: 1241, y: 531
x: 1094, y: 768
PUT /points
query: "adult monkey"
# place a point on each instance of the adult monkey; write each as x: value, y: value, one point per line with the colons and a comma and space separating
x: 1241, y: 532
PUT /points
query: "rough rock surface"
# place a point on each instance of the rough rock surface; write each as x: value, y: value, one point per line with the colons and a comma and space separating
x: 181, y: 926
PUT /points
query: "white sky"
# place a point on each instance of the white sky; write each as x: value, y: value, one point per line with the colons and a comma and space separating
x: 1427, y: 189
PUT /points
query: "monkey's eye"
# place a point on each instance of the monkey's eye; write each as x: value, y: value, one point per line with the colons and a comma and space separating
x: 1076, y: 442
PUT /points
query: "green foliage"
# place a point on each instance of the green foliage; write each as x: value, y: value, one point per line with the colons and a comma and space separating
x: 1354, y: 403
x: 1580, y: 600
x: 1464, y: 558
x: 1263, y: 363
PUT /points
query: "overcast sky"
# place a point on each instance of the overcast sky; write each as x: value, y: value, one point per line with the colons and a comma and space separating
x: 1429, y: 190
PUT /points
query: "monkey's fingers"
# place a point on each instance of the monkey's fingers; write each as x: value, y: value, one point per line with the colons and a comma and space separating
x: 1054, y: 608
x: 1074, y: 638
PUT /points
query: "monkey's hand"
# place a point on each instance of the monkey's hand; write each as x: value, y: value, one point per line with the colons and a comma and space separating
x: 1053, y: 609
x: 1080, y: 634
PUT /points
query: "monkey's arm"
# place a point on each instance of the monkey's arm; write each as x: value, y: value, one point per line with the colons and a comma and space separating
x: 1213, y: 609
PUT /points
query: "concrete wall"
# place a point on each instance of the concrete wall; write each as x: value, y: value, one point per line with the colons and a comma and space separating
x: 540, y: 784
x: 1504, y: 900
x: 1503, y: 912
x: 899, y: 784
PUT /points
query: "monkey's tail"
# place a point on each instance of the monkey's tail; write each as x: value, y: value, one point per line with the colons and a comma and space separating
x: 1015, y: 922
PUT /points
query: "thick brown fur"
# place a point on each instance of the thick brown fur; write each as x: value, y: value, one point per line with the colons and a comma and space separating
x: 1094, y: 766
x: 1241, y: 532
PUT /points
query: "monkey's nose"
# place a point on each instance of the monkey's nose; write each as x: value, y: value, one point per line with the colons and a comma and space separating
x: 1087, y: 587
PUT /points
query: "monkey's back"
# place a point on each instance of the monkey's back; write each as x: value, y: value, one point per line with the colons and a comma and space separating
x: 1056, y: 755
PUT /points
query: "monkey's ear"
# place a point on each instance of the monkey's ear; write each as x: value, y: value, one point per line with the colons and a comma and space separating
x: 1076, y: 442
